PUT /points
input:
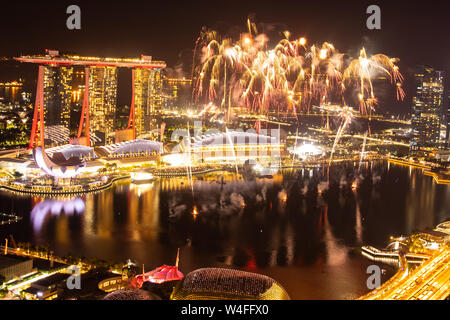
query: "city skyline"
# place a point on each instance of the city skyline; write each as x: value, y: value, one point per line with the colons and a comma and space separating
x: 414, y: 43
x: 224, y: 150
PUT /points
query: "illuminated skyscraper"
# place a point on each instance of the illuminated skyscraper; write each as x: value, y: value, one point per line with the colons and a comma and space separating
x: 147, y: 98
x: 156, y: 101
x: 427, y: 110
x: 447, y: 136
x: 102, y: 102
x: 142, y: 99
x: 57, y: 100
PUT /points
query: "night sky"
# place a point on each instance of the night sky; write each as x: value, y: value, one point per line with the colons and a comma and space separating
x: 414, y: 31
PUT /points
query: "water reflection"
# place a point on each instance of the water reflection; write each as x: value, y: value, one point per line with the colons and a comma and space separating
x: 303, y: 226
x: 45, y: 207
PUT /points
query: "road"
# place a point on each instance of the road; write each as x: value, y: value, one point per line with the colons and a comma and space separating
x: 30, y: 255
x: 429, y: 281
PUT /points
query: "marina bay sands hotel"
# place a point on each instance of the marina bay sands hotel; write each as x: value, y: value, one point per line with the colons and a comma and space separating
x: 55, y: 94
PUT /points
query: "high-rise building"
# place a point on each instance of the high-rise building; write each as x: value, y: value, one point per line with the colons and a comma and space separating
x: 142, y: 99
x: 103, y: 102
x: 156, y: 102
x: 57, y: 101
x: 447, y: 136
x: 147, y: 98
x: 427, y: 111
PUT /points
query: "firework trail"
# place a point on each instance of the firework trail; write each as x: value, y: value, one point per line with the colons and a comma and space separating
x: 364, y: 69
x: 363, y: 150
x: 208, y: 109
x: 232, y: 148
x: 346, y: 118
x: 189, y: 162
x: 295, y: 146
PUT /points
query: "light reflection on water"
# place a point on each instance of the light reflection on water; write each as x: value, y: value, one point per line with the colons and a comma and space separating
x: 55, y: 208
x: 298, y: 228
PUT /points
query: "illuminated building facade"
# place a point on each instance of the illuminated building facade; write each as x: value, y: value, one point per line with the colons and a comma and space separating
x: 130, y: 148
x: 447, y: 136
x: 12, y: 267
x: 102, y: 102
x: 57, y: 101
x: 427, y: 111
x: 142, y: 96
x: 156, y: 80
x: 147, y: 98
x: 235, y: 146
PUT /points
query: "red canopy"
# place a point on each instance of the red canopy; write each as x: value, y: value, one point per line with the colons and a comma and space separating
x: 159, y: 275
x: 164, y: 274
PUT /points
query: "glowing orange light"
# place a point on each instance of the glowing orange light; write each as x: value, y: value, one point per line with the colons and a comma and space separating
x: 247, y: 41
x: 195, y: 212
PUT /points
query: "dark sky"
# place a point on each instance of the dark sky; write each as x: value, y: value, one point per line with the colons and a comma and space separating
x: 414, y: 31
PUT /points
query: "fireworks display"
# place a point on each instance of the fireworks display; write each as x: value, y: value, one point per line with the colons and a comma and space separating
x: 287, y: 78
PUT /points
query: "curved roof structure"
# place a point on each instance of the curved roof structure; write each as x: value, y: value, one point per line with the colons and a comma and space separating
x: 234, y: 137
x: 72, y: 151
x: 60, y: 169
x: 444, y: 227
x: 227, y: 284
x: 133, y: 146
